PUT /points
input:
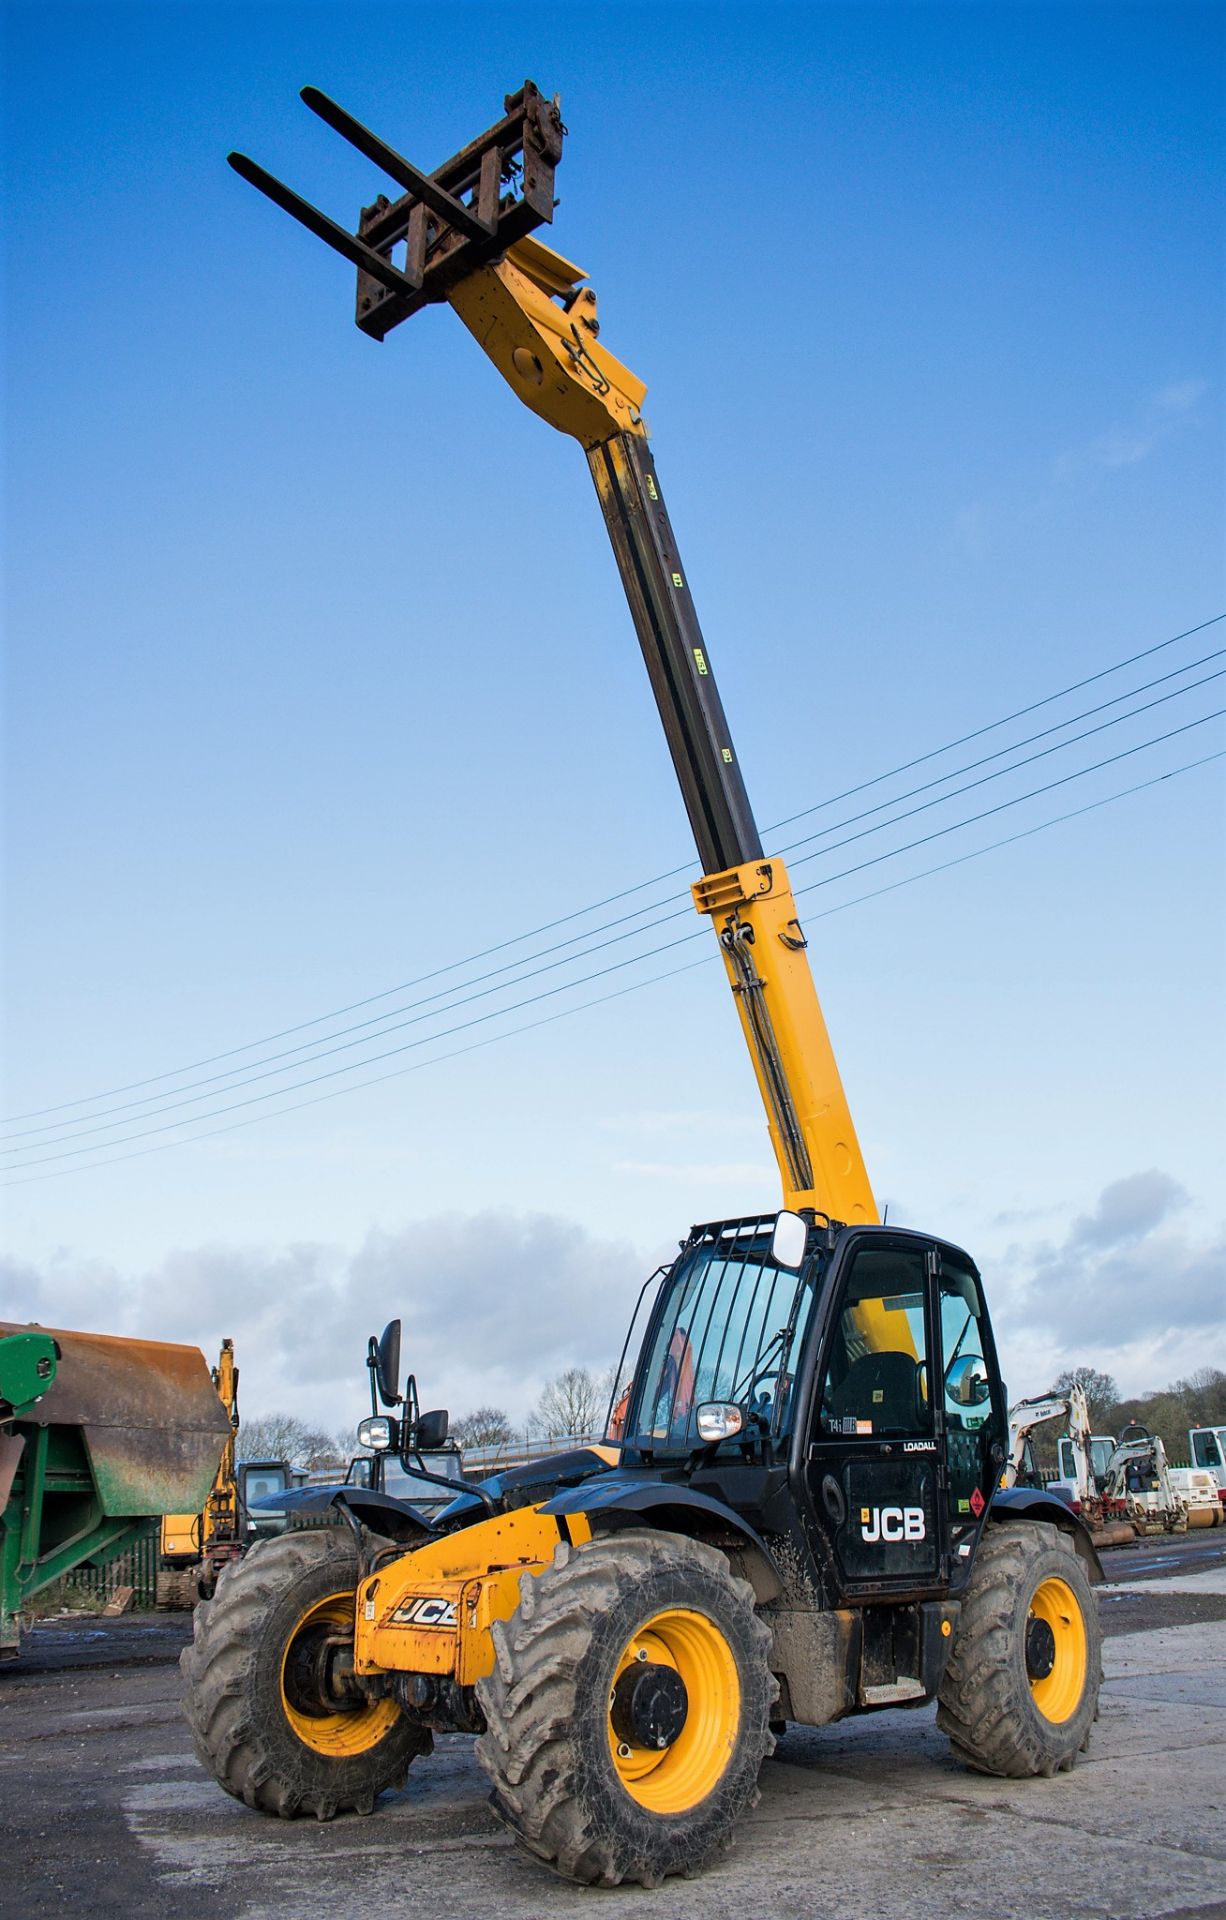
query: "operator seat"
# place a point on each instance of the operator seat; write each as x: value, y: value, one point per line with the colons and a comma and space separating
x: 883, y: 1388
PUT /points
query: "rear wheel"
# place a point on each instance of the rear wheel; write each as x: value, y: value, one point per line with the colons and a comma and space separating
x: 629, y: 1708
x: 267, y: 1698
x: 1020, y: 1692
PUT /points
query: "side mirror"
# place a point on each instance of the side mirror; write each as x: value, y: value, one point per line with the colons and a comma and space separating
x: 788, y: 1241
x: 432, y: 1429
x: 387, y: 1365
x: 967, y: 1381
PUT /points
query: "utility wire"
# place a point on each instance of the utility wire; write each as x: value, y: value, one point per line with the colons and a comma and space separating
x: 625, y: 893
x: 157, y: 1103
x: 600, y: 973
x: 707, y: 959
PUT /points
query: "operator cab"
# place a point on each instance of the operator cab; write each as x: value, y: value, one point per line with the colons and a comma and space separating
x: 862, y: 1377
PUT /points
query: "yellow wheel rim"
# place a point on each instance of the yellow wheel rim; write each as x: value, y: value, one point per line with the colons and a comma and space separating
x: 336, y: 1735
x: 673, y: 1779
x: 1058, y: 1694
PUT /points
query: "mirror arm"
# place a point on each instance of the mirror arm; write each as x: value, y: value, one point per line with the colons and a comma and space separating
x: 372, y: 1363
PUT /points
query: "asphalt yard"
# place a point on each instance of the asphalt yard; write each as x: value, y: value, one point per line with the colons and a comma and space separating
x: 104, y: 1810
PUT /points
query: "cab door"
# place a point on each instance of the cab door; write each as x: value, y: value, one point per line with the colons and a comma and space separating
x: 873, y: 1468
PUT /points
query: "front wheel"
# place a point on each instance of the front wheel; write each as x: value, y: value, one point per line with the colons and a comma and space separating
x: 1020, y: 1691
x: 628, y: 1712
x: 266, y: 1697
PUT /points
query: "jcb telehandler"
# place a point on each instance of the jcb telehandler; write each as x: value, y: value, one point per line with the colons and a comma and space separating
x: 801, y: 1516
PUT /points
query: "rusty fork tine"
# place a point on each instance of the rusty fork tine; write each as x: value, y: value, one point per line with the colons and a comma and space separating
x: 337, y: 237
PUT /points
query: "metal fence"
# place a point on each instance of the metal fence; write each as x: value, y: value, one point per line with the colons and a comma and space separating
x: 520, y: 1448
x: 135, y: 1567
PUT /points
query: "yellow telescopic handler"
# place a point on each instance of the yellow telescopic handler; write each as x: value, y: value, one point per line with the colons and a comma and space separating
x: 800, y: 1515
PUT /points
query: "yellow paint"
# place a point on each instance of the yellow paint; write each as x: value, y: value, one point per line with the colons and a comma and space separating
x: 187, y: 1535
x: 336, y: 1735
x: 1059, y: 1695
x: 550, y: 356
x: 180, y: 1536
x: 530, y: 314
x: 759, y: 895
x: 674, y: 1779
x: 477, y: 1572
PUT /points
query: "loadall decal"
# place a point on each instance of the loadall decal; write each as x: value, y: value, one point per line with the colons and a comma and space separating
x: 892, y: 1523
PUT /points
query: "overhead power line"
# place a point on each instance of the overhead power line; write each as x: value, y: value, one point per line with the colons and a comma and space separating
x: 636, y: 986
x: 473, y: 990
x: 455, y: 966
x: 67, y: 1153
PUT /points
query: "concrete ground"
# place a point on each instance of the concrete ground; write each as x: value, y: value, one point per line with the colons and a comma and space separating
x: 104, y: 1811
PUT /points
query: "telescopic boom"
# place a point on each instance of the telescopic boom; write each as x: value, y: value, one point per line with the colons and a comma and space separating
x: 463, y: 235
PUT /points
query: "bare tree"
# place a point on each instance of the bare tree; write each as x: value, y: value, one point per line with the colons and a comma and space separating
x: 283, y: 1436
x: 483, y: 1427
x: 1102, y: 1394
x: 1204, y: 1396
x: 573, y: 1403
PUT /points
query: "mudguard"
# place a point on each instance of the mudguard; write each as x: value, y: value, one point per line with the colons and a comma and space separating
x: 1028, y: 1503
x: 381, y: 1512
x: 621, y: 1498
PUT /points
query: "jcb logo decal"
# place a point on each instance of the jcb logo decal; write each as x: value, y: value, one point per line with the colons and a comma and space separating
x: 891, y: 1523
x: 428, y: 1611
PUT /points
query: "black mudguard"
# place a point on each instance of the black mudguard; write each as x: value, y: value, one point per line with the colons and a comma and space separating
x: 1028, y: 1503
x: 381, y: 1512
x: 620, y: 1499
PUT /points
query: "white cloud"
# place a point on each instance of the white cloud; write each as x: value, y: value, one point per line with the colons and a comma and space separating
x: 1159, y: 416
x: 1129, y: 1288
x: 493, y: 1304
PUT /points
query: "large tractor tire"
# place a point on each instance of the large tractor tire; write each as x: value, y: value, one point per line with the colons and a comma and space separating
x: 1020, y: 1691
x: 253, y: 1696
x: 628, y: 1712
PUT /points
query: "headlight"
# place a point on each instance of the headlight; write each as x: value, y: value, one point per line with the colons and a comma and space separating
x: 718, y: 1420
x: 378, y: 1433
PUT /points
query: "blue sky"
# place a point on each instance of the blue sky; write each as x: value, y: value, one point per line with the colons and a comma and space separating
x: 320, y: 677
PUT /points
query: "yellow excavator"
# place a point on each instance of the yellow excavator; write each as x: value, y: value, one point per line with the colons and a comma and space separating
x: 801, y: 1518
x: 242, y: 1506
x: 193, y: 1547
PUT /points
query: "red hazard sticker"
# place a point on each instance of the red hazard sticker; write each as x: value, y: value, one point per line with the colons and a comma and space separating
x: 977, y: 1503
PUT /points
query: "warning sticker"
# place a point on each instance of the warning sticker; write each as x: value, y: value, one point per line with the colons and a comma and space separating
x: 978, y: 1503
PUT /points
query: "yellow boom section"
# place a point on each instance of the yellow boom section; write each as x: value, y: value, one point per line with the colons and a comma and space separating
x: 530, y: 313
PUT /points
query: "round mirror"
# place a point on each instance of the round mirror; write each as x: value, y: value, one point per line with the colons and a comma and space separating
x: 967, y: 1381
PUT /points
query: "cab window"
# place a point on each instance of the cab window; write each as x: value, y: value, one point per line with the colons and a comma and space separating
x: 875, y: 1380
x: 964, y: 1371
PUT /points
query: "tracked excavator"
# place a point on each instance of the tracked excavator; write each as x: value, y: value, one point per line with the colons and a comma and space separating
x: 801, y: 1518
x: 1021, y: 1468
x: 1108, y: 1526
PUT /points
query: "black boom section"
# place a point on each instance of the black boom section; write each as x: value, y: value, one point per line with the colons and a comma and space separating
x: 676, y: 656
